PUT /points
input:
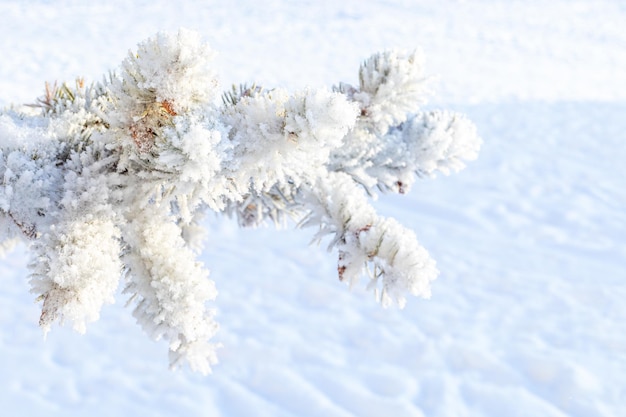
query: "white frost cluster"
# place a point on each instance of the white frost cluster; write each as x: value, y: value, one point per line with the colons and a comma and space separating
x: 108, y: 182
x: 393, y: 141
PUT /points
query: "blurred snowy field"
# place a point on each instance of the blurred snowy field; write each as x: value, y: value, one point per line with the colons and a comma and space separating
x: 528, y: 316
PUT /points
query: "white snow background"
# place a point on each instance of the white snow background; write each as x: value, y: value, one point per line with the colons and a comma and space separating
x: 528, y: 316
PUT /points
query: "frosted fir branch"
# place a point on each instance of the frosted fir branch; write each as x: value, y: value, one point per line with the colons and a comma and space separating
x: 438, y: 141
x: 234, y: 96
x: 108, y: 182
x: 30, y: 172
x: 280, y: 141
x: 366, y: 240
x: 428, y: 142
x: 75, y: 112
x: 170, y: 292
x: 55, y: 96
x: 392, y: 84
x: 394, y: 141
x: 72, y: 284
x: 188, y: 61
x: 278, y: 204
x: 280, y: 138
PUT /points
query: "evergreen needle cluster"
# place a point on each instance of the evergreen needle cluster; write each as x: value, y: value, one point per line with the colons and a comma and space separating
x: 107, y: 183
